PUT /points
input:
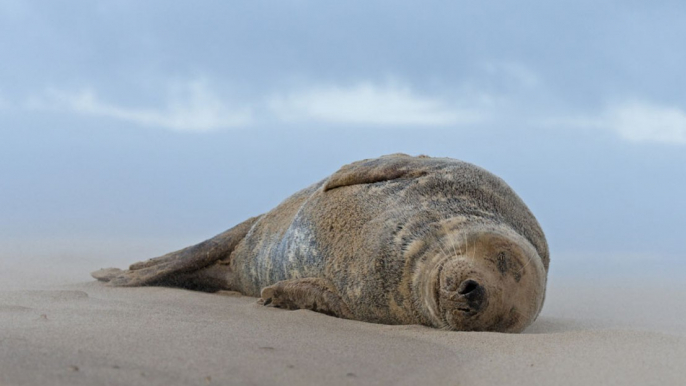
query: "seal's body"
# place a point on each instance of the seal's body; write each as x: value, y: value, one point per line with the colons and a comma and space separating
x: 395, y: 240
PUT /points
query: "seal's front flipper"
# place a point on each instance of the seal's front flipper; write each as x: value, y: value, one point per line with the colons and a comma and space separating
x: 314, y: 294
x: 173, y: 268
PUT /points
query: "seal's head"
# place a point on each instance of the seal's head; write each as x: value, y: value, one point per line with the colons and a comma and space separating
x: 483, y: 280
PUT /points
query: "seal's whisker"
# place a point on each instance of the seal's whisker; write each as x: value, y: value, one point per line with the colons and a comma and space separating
x: 452, y: 242
x: 476, y: 247
x: 524, y: 266
x: 440, y: 245
x: 445, y: 231
x: 465, y: 241
x: 455, y: 254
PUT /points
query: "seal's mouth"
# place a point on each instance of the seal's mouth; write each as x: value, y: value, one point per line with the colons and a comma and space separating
x: 458, y: 300
x: 462, y: 306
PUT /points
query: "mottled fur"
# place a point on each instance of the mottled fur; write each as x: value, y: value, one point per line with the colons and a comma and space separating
x: 386, y: 240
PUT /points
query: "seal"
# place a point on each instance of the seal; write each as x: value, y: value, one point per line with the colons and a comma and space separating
x: 392, y: 240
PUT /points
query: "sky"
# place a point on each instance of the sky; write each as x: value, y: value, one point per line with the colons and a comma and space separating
x: 171, y: 121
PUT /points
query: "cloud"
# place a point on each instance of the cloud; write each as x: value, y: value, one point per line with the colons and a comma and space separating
x: 634, y: 121
x: 194, y: 107
x: 644, y: 122
x: 190, y: 107
x: 367, y: 103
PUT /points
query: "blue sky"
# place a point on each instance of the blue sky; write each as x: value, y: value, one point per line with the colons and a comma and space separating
x: 158, y: 119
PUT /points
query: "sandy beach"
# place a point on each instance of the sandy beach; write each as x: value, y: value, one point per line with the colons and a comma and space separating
x: 59, y: 327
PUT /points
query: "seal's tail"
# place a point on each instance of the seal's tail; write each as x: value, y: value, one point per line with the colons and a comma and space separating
x: 165, y: 270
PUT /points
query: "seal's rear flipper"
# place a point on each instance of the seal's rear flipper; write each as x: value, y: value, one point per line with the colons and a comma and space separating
x: 106, y: 274
x: 314, y: 294
x: 172, y: 268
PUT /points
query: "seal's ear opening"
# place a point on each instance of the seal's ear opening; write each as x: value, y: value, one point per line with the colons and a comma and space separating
x: 386, y: 168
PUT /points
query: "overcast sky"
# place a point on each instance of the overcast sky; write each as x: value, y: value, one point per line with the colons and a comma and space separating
x: 176, y: 120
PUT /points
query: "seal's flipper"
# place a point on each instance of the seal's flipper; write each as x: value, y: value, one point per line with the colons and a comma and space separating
x: 168, y: 269
x: 386, y: 168
x: 314, y: 294
x: 106, y: 274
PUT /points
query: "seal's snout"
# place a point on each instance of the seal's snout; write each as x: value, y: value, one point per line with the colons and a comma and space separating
x: 462, y: 296
x: 472, y: 294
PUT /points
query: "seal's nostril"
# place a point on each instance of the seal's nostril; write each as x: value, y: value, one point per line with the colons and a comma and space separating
x: 467, y: 287
x: 472, y: 295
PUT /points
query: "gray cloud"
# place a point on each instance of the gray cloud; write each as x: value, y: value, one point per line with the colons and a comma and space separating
x: 633, y: 120
x: 639, y: 121
x: 368, y: 103
x: 190, y: 107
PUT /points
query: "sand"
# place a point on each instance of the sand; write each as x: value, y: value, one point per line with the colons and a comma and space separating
x: 59, y: 327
